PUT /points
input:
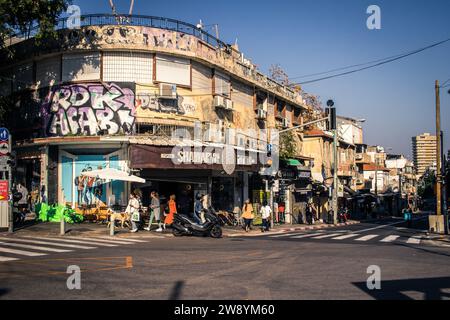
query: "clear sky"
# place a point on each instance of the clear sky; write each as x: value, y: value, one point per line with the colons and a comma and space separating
x: 309, y: 36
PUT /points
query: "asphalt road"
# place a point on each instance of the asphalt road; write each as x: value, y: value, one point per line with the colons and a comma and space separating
x: 297, y: 265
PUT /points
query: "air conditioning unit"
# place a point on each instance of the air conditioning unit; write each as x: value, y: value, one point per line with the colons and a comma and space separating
x: 219, y: 102
x: 285, y: 123
x: 261, y: 114
x: 228, y: 104
x: 168, y: 91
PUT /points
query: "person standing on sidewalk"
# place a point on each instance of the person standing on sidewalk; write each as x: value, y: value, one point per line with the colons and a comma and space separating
x: 265, y: 211
x: 133, y: 211
x: 247, y: 215
x: 172, y: 210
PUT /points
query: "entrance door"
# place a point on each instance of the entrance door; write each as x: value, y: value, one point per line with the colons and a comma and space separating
x: 116, y: 189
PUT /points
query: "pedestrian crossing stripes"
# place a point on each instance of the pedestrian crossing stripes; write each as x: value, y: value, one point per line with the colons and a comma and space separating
x: 367, y: 238
x: 362, y: 238
x: 16, y: 248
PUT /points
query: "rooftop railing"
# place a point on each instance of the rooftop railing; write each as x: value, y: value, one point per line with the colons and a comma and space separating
x: 133, y: 20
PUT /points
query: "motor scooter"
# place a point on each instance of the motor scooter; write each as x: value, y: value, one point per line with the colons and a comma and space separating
x: 185, y: 226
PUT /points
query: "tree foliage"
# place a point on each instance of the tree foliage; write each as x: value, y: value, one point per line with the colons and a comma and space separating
x: 20, y: 16
x: 288, y: 146
x: 426, y: 184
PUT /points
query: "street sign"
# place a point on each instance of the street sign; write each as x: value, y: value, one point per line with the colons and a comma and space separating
x: 4, y: 134
x: 4, y: 190
x: 4, y: 148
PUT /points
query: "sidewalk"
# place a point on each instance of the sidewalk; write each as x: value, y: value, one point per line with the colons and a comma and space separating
x: 278, y: 229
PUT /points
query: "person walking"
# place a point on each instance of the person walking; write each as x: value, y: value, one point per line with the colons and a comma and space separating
x: 247, y: 215
x: 265, y: 211
x: 133, y: 211
x: 155, y: 208
x: 172, y: 210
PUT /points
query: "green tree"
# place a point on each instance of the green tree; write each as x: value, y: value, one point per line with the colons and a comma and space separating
x: 22, y: 15
x: 288, y: 147
x: 426, y: 184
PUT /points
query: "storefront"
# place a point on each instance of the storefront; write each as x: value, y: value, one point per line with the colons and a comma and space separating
x: 186, y: 180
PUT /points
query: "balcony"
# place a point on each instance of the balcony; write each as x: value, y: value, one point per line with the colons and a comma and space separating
x: 345, y: 170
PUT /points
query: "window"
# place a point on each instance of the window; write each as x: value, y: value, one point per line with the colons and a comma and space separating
x: 173, y: 70
x: 23, y: 76
x: 222, y: 84
x: 48, y: 70
x: 128, y: 67
x: 81, y: 66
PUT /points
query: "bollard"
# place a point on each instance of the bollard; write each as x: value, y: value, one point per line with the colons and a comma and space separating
x: 111, y: 225
x: 62, y: 229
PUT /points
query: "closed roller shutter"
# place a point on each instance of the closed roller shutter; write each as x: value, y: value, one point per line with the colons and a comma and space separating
x: 242, y: 94
x: 48, y: 70
x: 173, y: 70
x: 201, y: 79
x: 128, y: 67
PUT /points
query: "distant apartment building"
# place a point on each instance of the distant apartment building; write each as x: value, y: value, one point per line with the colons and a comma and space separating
x: 424, y: 150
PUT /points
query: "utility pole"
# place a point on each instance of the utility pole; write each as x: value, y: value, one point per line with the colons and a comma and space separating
x: 333, y: 127
x: 438, y: 155
x: 444, y: 184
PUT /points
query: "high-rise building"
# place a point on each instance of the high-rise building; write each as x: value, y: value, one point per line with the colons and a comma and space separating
x: 424, y: 150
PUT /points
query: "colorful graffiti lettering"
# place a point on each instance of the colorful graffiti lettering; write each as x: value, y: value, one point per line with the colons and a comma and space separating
x: 88, y: 109
x: 149, y: 101
x: 169, y: 39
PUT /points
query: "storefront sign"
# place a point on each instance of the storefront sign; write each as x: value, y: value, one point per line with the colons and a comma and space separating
x: 4, y: 190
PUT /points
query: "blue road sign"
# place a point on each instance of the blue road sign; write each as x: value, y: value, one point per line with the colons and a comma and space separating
x: 4, y: 134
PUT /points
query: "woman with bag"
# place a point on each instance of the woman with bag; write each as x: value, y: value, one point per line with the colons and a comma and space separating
x: 133, y: 210
x: 247, y: 215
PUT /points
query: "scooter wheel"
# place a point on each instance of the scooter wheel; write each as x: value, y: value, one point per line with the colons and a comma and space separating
x: 216, y: 232
x: 177, y: 233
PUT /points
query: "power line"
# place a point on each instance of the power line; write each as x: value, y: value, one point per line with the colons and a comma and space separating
x: 383, y: 61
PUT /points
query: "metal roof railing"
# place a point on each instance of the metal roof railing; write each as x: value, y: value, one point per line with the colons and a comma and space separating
x: 133, y: 20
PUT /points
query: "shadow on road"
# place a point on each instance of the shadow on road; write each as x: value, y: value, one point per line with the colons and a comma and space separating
x: 176, y: 291
x: 410, y: 289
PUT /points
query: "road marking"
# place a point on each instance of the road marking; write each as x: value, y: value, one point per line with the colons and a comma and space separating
x: 121, y: 239
x: 305, y: 235
x: 74, y: 241
x: 4, y: 259
x: 49, y: 243
x: 26, y: 246
x: 390, y: 238
x: 414, y: 240
x: 22, y: 253
x: 105, y: 241
x: 327, y: 236
x: 390, y: 224
x: 346, y: 236
x: 289, y: 234
x: 368, y: 237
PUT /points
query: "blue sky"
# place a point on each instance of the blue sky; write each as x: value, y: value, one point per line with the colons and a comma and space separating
x: 309, y: 36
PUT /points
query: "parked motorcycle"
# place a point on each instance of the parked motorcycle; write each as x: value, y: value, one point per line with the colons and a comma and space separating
x: 185, y: 226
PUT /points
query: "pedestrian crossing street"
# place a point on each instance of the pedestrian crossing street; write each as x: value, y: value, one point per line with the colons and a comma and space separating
x: 355, y: 236
x: 16, y: 248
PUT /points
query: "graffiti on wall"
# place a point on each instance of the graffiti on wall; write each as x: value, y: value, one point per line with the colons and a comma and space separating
x: 150, y: 101
x: 169, y: 39
x: 88, y: 109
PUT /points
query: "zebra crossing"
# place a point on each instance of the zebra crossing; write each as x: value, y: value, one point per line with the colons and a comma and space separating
x: 353, y: 236
x: 17, y: 248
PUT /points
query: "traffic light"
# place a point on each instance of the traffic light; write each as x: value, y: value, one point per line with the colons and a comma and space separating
x: 331, y: 122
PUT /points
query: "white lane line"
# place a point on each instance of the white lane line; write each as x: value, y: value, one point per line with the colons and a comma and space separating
x: 414, y: 240
x: 4, y: 259
x: 26, y: 246
x: 121, y: 239
x: 346, y: 236
x: 390, y: 238
x: 105, y: 241
x: 305, y: 235
x: 48, y: 243
x: 22, y: 253
x: 330, y: 235
x: 368, y: 237
x: 73, y: 241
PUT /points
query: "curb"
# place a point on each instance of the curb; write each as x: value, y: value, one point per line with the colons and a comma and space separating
x: 281, y: 231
